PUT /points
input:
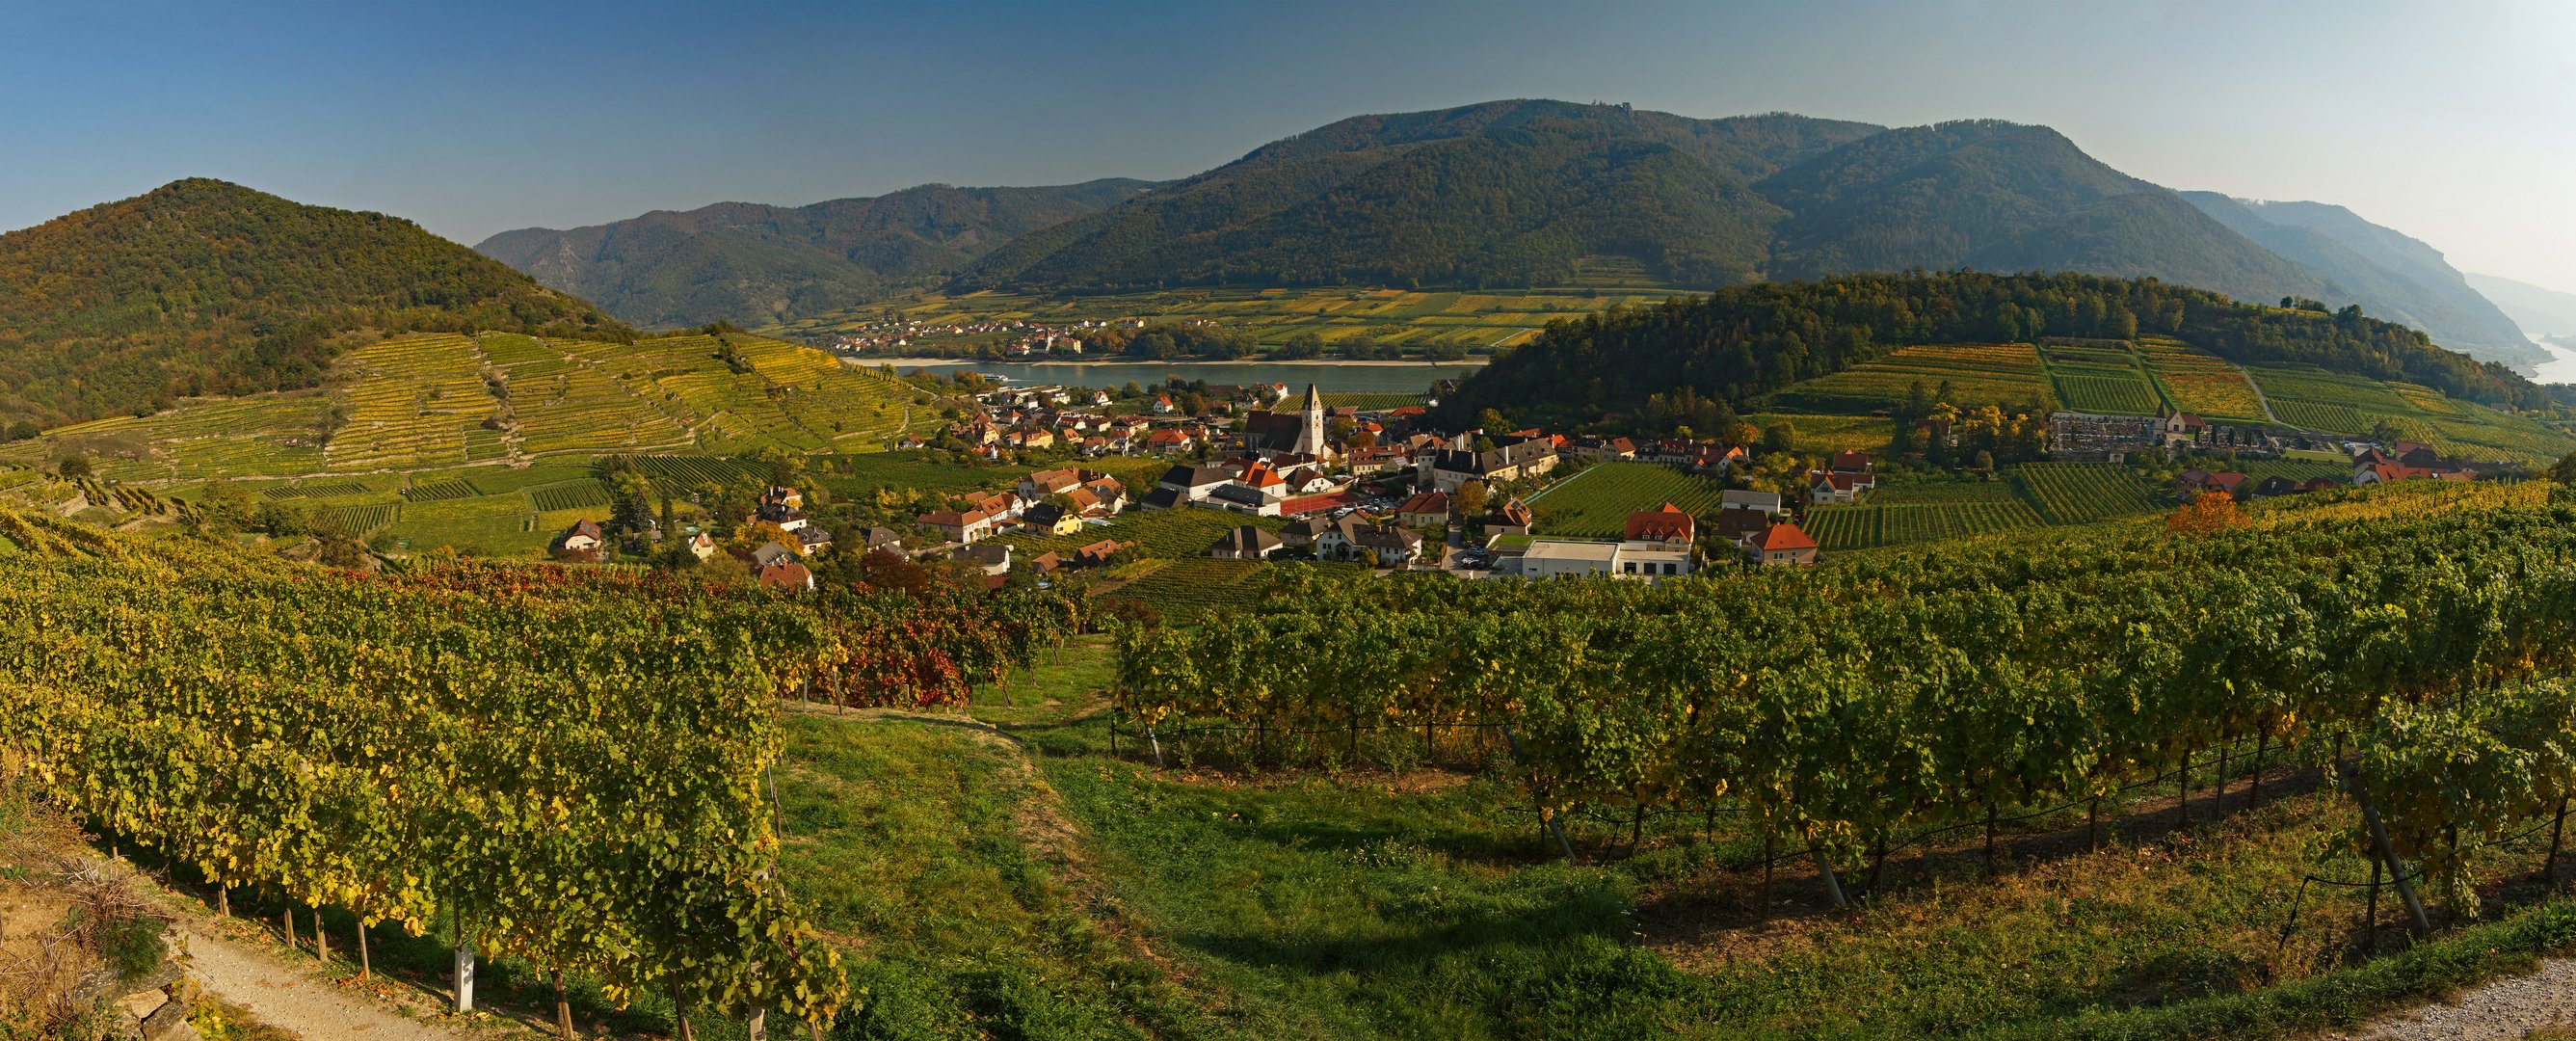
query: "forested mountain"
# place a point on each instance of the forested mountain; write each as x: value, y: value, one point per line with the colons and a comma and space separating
x: 755, y: 264
x: 1503, y: 193
x: 2545, y: 312
x: 1746, y: 341
x: 204, y: 287
x: 2397, y: 277
x: 1999, y: 196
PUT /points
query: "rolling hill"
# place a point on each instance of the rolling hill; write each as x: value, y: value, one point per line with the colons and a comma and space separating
x: 202, y: 287
x: 2401, y: 278
x: 757, y: 264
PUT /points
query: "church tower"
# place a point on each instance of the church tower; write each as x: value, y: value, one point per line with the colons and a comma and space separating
x: 1310, y: 435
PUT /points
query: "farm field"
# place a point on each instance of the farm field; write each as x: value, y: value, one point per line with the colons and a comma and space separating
x: 1596, y: 503
x: 1502, y: 318
x: 2082, y: 493
x: 1978, y: 374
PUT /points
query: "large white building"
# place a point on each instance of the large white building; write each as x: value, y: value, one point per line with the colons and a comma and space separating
x: 1649, y: 560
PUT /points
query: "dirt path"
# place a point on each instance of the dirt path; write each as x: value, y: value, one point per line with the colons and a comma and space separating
x: 294, y: 999
x: 2497, y: 1010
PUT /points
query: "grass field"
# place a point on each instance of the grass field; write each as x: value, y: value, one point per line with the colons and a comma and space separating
x: 1502, y: 318
x: 1822, y: 433
x: 1596, y: 503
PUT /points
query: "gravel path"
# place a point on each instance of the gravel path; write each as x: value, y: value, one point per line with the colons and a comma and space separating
x: 293, y: 999
x: 2500, y: 1010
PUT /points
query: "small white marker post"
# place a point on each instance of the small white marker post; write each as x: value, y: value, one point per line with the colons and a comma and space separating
x: 464, y: 977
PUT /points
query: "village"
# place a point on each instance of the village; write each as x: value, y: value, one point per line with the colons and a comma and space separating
x: 1386, y: 489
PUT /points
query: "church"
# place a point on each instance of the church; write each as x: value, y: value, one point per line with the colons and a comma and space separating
x: 1289, y: 433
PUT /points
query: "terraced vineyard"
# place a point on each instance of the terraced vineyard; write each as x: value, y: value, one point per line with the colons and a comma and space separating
x: 2200, y: 383
x: 1869, y: 526
x: 410, y: 403
x: 2333, y: 419
x: 1596, y: 503
x: 439, y: 490
x: 571, y: 495
x: 356, y: 520
x: 2082, y: 493
x: 1978, y: 374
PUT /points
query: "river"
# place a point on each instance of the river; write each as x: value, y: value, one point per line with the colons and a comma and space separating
x: 2561, y: 366
x: 1331, y: 377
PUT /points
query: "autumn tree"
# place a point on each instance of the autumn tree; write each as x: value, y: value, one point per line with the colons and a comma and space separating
x: 2206, y: 514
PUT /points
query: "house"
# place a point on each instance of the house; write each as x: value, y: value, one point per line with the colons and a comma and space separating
x: 969, y: 527
x: 1765, y: 502
x: 1046, y: 563
x: 1193, y: 483
x: 1425, y: 510
x: 1163, y: 405
x: 1783, y: 544
x: 584, y: 544
x: 1108, y: 496
x: 784, y: 496
x: 2276, y: 485
x: 1248, y: 542
x: 885, y: 538
x: 1304, y: 532
x: 1826, y: 487
x: 1653, y: 560
x: 1042, y: 483
x: 1849, y: 463
x: 1098, y: 553
x: 1052, y: 519
x: 1168, y: 440
x: 1739, y: 526
x: 1350, y: 538
x: 790, y: 576
x: 811, y: 539
x: 993, y: 557
x: 1000, y: 506
x: 1510, y: 459
x: 1555, y: 558
x: 771, y: 554
x: 1511, y: 518
x: 702, y: 545
x: 1667, y: 525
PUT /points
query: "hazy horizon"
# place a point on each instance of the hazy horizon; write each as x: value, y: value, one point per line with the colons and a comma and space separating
x: 483, y: 118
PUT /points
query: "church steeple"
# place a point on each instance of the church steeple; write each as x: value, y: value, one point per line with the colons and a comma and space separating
x: 1310, y: 434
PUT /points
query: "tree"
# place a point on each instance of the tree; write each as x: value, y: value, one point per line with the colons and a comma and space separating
x: 2206, y: 514
x: 23, y: 430
x: 284, y: 518
x: 1779, y: 437
x: 2564, y: 472
x: 1471, y: 499
x: 1492, y: 421
x: 73, y: 466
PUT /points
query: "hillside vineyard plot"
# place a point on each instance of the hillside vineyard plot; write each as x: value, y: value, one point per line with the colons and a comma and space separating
x: 2082, y: 493
x: 2199, y: 383
x: 1596, y: 503
x: 1870, y: 526
x: 1977, y: 374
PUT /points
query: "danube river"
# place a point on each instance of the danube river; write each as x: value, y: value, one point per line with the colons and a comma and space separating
x: 1332, y: 377
x: 2561, y: 366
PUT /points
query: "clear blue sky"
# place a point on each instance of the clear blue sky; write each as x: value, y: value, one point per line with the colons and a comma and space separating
x: 2455, y: 123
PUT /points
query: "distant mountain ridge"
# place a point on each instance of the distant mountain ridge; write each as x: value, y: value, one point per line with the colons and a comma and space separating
x: 755, y: 264
x: 2539, y: 311
x: 1529, y: 192
x: 204, y: 287
x: 2396, y: 277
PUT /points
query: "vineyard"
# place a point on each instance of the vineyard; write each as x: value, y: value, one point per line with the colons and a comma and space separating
x: 2398, y: 646
x: 2083, y: 493
x: 1596, y: 503
x: 2200, y: 383
x: 570, y: 495
x: 462, y: 742
x: 1874, y: 525
x: 2006, y: 374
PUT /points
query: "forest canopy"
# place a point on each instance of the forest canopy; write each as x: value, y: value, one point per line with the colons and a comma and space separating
x: 1743, y: 342
x: 207, y: 288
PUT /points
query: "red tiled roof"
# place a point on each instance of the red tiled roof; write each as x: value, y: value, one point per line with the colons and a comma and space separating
x: 1658, y: 525
x: 1317, y: 503
x: 1783, y: 537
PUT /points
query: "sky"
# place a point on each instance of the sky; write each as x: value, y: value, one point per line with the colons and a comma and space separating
x: 2450, y: 122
